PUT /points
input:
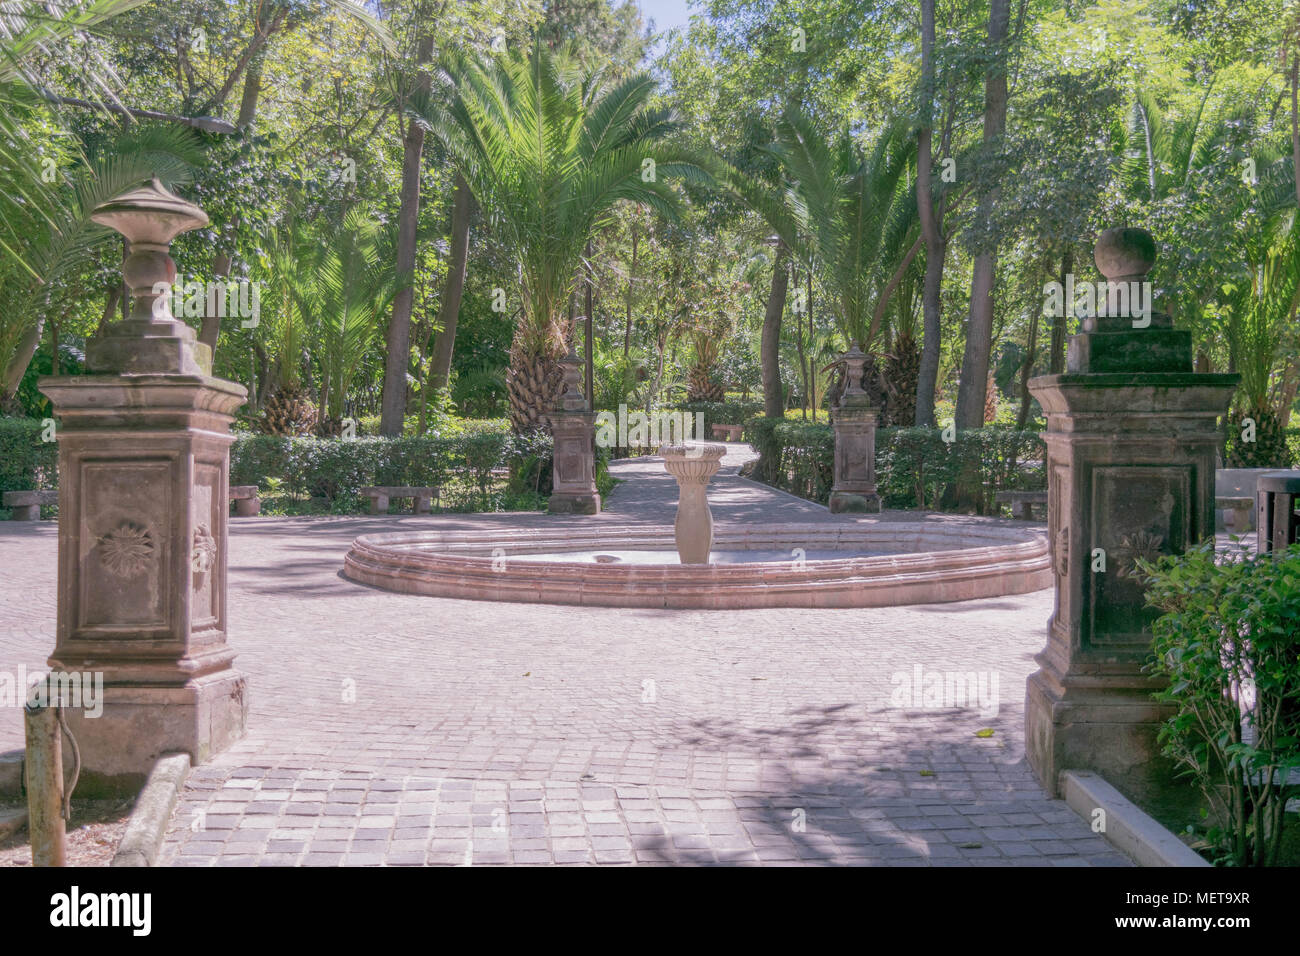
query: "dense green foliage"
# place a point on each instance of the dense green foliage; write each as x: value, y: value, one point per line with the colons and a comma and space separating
x: 336, y: 469
x: 1225, y: 646
x: 27, y: 461
x: 915, y: 467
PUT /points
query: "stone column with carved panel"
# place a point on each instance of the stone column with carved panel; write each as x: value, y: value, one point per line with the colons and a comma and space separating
x: 854, y: 487
x: 1131, y: 443
x: 573, y: 488
x: 144, y: 455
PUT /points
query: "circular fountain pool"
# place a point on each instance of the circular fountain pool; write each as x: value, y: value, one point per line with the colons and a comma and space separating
x: 859, y: 564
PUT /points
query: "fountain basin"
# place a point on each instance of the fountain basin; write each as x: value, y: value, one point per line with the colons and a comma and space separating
x: 882, y: 564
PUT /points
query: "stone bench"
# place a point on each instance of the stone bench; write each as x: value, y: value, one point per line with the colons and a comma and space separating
x: 1237, y: 512
x: 381, y: 494
x: 26, y: 505
x: 728, y: 432
x: 1022, y: 502
x: 247, y: 502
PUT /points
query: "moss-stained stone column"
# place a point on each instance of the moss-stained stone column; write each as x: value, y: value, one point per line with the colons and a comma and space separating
x: 1131, y: 441
x: 144, y: 455
x: 573, y: 488
x: 854, y: 487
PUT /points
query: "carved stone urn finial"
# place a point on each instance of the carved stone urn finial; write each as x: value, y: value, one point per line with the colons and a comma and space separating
x: 855, y: 361
x: 151, y: 339
x: 571, y: 398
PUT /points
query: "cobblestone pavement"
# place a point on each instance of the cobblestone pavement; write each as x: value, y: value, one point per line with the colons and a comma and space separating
x: 397, y: 729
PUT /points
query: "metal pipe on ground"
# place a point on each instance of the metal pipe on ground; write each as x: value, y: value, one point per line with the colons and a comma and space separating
x: 45, y: 804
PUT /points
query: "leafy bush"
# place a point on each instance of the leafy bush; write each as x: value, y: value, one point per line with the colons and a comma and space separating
x: 731, y: 412
x: 760, y: 432
x: 1226, y: 646
x: 337, y: 468
x: 26, y: 462
x: 807, y: 458
x: 254, y: 458
x: 915, y: 467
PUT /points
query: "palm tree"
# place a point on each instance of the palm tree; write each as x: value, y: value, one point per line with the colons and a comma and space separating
x: 846, y: 212
x: 48, y: 186
x: 350, y: 286
x: 548, y: 154
x: 1263, y: 329
x: 328, y: 291
x: 46, y: 241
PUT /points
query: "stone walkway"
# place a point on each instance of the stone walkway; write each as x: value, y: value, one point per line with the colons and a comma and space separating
x: 397, y: 729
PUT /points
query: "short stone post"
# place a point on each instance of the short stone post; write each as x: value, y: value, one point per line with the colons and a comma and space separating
x: 854, y: 487
x: 573, y: 488
x: 1131, y: 443
x: 1277, y: 521
x: 693, y: 465
x: 144, y: 456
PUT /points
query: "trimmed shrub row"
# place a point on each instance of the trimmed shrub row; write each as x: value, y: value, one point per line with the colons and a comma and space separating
x: 722, y: 413
x: 915, y: 467
x: 27, y: 463
x: 337, y: 469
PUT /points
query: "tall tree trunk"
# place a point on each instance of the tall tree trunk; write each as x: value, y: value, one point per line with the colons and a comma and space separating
x: 770, y: 347
x: 1057, y: 360
x: 1290, y: 385
x: 631, y: 280
x: 1295, y: 117
x: 462, y: 209
x: 398, y: 339
x: 812, y: 363
x: 54, y: 347
x: 588, y: 350
x: 114, y: 295
x: 803, y: 363
x: 268, y: 20
x: 973, y: 386
x: 263, y: 375
x: 936, y: 245
x: 22, y: 357
x: 1022, y: 417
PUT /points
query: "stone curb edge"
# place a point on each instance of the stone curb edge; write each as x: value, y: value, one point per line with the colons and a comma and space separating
x: 11, y: 774
x: 152, y: 812
x: 1127, y: 828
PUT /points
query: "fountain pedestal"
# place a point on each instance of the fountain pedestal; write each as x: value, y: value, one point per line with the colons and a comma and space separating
x: 693, y: 465
x: 144, y: 455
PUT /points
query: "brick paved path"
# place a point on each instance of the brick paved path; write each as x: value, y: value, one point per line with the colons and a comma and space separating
x: 399, y: 729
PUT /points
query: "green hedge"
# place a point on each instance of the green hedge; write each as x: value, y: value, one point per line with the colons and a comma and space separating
x: 721, y: 413
x: 26, y: 462
x: 461, y: 463
x: 338, y: 468
x: 915, y: 467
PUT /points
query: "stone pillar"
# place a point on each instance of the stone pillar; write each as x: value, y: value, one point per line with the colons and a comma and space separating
x: 144, y: 456
x: 693, y: 465
x: 1131, y: 444
x: 573, y: 489
x: 854, y: 488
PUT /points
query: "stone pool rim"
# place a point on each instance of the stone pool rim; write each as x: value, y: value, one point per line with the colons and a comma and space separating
x: 989, y: 560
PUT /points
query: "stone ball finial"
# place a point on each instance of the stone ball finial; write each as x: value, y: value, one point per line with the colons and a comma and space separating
x: 1125, y: 253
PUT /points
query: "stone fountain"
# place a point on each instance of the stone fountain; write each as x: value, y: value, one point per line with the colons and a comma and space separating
x: 693, y: 464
